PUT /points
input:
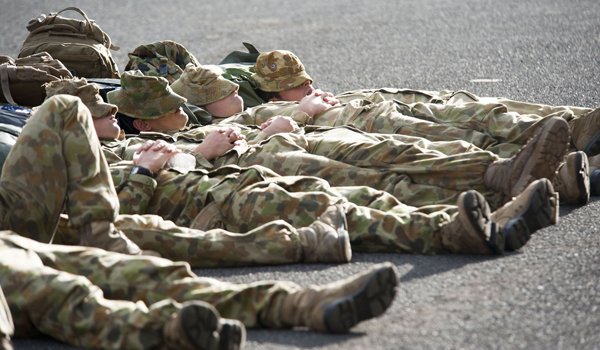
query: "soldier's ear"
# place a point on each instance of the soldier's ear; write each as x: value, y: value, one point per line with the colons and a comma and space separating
x: 141, y: 125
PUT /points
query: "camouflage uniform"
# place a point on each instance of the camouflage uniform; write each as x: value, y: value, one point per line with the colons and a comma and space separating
x: 417, y: 172
x: 240, y: 199
x: 123, y: 301
x: 495, y: 124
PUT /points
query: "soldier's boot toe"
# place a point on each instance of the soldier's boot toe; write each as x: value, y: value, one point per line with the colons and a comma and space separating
x: 538, y: 159
x: 196, y: 326
x: 572, y: 180
x: 232, y: 335
x: 339, y: 306
x: 472, y: 230
x: 535, y: 208
x: 326, y: 240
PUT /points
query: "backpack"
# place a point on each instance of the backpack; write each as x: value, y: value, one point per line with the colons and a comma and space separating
x: 238, y: 67
x: 22, y: 80
x: 81, y: 45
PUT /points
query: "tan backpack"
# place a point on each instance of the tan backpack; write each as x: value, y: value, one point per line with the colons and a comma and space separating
x: 81, y: 45
x: 21, y: 80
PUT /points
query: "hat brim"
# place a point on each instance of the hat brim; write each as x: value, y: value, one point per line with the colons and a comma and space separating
x: 167, y: 104
x: 282, y: 83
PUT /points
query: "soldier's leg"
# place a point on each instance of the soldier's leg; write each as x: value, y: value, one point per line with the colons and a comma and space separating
x: 71, y: 309
x: 378, y: 95
x: 7, y: 328
x: 273, y: 243
x: 261, y: 304
x: 57, y: 162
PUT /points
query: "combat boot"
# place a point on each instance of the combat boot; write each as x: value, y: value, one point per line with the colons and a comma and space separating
x: 339, y: 306
x: 572, y: 180
x: 326, y: 240
x: 536, y: 208
x: 198, y: 326
x: 472, y: 230
x: 539, y: 158
x: 104, y: 234
x: 585, y: 132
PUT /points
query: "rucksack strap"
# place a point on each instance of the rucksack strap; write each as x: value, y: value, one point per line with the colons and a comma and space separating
x: 4, y: 83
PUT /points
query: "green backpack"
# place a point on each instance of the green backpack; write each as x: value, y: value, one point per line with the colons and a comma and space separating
x: 238, y: 67
x: 81, y: 45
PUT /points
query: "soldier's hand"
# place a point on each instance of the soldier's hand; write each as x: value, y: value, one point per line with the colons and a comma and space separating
x: 315, y: 103
x: 279, y: 124
x: 218, y: 142
x: 154, y: 154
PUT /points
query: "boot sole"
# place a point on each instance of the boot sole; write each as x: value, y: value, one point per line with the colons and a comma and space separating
x: 551, y: 145
x: 542, y: 210
x: 516, y: 234
x: 479, y: 219
x: 582, y: 170
x: 370, y: 300
x: 232, y: 335
x: 201, y: 324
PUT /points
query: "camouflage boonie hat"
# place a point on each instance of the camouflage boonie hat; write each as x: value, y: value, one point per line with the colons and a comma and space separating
x: 165, y: 59
x: 279, y: 70
x: 203, y: 85
x: 144, y: 97
x: 87, y: 92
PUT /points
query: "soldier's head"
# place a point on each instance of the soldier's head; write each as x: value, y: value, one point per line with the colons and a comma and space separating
x: 204, y: 87
x: 103, y: 114
x: 148, y: 103
x: 281, y: 76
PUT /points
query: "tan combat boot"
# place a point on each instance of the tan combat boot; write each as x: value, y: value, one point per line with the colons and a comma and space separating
x: 103, y: 234
x: 198, y: 326
x: 339, y: 306
x: 585, y: 132
x: 326, y: 240
x: 472, y: 230
x: 536, y: 208
x: 572, y: 180
x: 539, y: 158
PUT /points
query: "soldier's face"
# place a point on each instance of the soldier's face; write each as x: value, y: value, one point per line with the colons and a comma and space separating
x: 107, y: 127
x: 172, y: 121
x: 297, y: 93
x: 227, y: 106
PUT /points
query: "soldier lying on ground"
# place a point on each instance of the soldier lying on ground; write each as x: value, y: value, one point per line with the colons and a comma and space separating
x: 501, y: 126
x: 415, y: 171
x: 58, y: 290
x: 239, y: 199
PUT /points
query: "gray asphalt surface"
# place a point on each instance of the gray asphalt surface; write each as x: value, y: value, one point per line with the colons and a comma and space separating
x: 546, y: 296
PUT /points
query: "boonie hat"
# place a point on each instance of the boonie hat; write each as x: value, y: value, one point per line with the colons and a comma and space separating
x: 87, y: 92
x: 144, y: 97
x: 279, y: 70
x: 202, y: 85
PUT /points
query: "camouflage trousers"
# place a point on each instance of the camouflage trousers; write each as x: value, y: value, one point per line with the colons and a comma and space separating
x: 241, y: 199
x: 56, y: 163
x: 123, y: 301
x: 509, y: 123
x: 414, y: 170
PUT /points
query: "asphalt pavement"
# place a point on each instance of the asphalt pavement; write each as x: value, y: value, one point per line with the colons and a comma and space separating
x: 547, y: 295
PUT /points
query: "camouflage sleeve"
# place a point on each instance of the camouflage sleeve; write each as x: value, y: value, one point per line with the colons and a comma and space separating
x: 134, y: 191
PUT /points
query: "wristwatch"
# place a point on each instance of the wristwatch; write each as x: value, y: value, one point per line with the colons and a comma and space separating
x: 142, y: 171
